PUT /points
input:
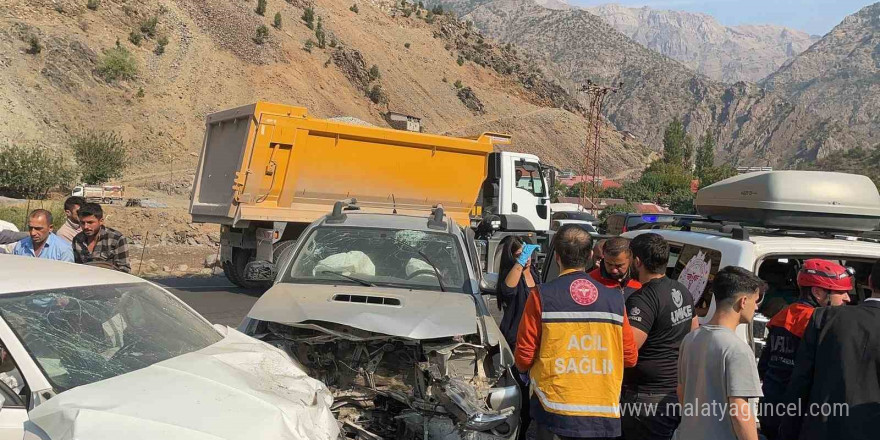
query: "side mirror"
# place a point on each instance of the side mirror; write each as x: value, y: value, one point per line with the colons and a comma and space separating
x: 489, y: 283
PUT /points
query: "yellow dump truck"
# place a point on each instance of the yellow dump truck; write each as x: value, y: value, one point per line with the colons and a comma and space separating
x: 267, y: 170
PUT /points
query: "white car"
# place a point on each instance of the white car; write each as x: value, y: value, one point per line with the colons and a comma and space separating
x: 386, y: 310
x: 98, y: 354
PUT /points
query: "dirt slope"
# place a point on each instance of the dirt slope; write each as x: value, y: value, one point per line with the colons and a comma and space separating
x: 211, y: 63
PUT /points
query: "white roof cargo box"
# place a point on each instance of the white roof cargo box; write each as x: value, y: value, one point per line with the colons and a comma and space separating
x: 808, y: 200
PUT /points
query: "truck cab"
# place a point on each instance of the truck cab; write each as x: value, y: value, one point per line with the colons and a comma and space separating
x: 514, y: 200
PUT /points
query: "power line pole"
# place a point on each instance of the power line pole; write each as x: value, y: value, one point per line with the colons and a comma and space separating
x: 596, y: 95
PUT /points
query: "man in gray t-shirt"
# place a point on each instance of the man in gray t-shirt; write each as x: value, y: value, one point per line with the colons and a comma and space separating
x: 717, y: 372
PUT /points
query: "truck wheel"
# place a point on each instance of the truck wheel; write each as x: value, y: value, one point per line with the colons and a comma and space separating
x: 240, y: 259
x: 230, y: 273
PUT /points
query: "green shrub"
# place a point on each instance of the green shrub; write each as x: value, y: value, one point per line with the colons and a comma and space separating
x: 320, y: 35
x: 438, y: 10
x: 261, y: 7
x: 262, y: 34
x: 160, y: 45
x: 17, y: 214
x: 35, y: 46
x: 277, y: 22
x: 354, y: 8
x: 117, y: 63
x: 309, y: 44
x: 93, y: 4
x: 460, y: 61
x: 377, y: 95
x: 374, y: 73
x: 140, y: 93
x: 31, y: 172
x: 406, y: 45
x: 458, y: 84
x: 309, y: 17
x: 100, y: 156
x: 429, y: 17
x: 135, y: 38
x: 332, y: 42
x: 148, y: 26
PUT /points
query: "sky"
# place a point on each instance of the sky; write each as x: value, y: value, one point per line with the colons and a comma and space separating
x: 815, y: 17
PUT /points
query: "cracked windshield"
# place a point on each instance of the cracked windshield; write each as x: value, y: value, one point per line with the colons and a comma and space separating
x: 400, y: 258
x: 85, y: 334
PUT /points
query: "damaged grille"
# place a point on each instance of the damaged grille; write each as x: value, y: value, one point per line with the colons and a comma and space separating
x: 397, y: 388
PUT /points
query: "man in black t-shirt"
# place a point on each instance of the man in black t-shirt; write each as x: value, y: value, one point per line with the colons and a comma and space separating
x: 661, y: 313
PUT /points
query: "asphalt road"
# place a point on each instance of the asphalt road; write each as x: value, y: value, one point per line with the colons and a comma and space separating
x: 215, y: 298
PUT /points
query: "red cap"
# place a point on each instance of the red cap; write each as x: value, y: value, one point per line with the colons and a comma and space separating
x: 826, y: 275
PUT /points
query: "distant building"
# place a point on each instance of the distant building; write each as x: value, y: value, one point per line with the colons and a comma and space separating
x: 603, y: 182
x: 401, y: 121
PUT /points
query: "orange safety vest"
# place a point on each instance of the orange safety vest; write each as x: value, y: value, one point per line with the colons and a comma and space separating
x: 577, y: 375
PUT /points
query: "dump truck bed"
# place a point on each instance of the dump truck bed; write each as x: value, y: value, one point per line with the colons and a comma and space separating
x: 271, y: 162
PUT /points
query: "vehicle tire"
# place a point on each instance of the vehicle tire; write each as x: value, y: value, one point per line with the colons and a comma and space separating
x: 229, y: 271
x: 240, y: 259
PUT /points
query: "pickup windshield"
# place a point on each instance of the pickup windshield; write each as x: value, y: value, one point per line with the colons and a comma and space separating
x: 382, y: 257
x: 81, y: 335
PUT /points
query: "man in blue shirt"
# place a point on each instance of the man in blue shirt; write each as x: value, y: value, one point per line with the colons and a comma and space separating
x: 42, y: 243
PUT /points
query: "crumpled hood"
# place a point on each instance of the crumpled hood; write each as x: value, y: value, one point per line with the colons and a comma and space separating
x: 237, y: 388
x: 421, y: 314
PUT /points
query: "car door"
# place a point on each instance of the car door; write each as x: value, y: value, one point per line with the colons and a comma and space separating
x: 13, y: 391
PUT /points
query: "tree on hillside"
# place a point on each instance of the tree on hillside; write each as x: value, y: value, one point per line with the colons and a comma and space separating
x: 31, y: 172
x: 261, y: 7
x: 309, y: 17
x: 100, y: 156
x: 716, y: 174
x: 689, y: 151
x: 705, y: 156
x: 673, y: 143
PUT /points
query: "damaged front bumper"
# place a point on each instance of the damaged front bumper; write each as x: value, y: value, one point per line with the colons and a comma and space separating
x: 399, y: 388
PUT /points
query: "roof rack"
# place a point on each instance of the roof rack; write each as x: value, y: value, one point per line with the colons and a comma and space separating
x: 338, y: 216
x: 743, y: 232
x: 737, y: 231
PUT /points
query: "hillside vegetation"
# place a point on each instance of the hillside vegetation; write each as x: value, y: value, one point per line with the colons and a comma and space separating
x: 152, y: 70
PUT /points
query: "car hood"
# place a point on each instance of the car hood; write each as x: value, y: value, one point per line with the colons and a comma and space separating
x: 237, y: 388
x: 414, y: 314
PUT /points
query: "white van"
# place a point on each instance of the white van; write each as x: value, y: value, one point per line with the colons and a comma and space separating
x: 769, y: 223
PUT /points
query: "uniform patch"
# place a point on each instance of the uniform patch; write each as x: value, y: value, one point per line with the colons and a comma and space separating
x: 583, y: 292
x: 677, y: 298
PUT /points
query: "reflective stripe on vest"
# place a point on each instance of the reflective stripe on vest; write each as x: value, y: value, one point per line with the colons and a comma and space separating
x: 579, y: 368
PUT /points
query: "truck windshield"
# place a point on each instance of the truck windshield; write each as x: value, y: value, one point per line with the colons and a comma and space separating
x: 382, y: 257
x: 81, y: 335
x: 530, y: 178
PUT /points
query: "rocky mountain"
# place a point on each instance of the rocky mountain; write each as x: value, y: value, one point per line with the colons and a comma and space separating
x: 838, y: 79
x: 724, y: 53
x: 152, y: 70
x: 751, y: 125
